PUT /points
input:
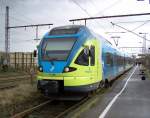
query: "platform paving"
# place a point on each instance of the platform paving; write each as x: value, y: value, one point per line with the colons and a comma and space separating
x: 133, y: 102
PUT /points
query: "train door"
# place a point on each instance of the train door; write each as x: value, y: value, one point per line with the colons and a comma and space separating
x: 83, y: 61
x: 93, y: 64
x: 109, y: 72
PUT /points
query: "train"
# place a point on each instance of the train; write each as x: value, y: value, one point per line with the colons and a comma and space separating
x: 74, y: 59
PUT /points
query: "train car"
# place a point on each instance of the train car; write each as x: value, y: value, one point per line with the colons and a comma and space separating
x: 74, y: 59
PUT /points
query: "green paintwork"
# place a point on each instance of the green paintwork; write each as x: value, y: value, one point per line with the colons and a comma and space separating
x: 84, y: 75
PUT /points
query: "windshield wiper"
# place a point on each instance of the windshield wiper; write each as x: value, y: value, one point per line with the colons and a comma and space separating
x: 52, y: 59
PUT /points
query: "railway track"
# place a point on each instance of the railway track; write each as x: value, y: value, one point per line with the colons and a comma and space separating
x: 53, y: 108
x: 7, y: 75
x: 15, y: 78
x: 7, y: 86
x: 30, y: 110
x: 10, y: 82
x: 62, y: 114
x: 50, y: 109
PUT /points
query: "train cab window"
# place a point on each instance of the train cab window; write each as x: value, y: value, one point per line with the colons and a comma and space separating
x: 92, y: 55
x: 83, y: 58
x: 109, y: 59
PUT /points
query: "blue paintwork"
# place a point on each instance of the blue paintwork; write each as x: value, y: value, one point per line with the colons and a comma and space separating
x: 110, y: 71
x: 83, y: 35
x: 58, y: 67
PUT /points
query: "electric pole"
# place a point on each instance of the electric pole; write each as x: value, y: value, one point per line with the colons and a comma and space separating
x: 144, y: 42
x: 7, y: 30
x: 7, y: 49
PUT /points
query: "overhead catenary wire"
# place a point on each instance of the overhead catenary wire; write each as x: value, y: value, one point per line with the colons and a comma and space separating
x: 25, y: 17
x: 114, y: 16
x: 101, y: 13
x: 140, y: 25
x: 129, y: 31
x: 109, y: 7
x: 22, y: 41
x: 22, y: 19
x: 81, y: 7
x: 19, y: 20
x: 111, y: 16
x: 85, y: 12
x: 16, y: 12
x: 131, y: 21
x: 32, y: 25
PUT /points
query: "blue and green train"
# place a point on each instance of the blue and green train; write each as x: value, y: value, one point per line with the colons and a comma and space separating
x: 74, y: 59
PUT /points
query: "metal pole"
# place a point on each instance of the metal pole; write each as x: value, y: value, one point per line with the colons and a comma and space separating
x: 113, y: 16
x: 144, y: 44
x: 31, y: 60
x: 85, y: 22
x: 22, y: 61
x: 26, y: 26
x: 15, y: 60
x: 7, y: 36
x: 37, y: 32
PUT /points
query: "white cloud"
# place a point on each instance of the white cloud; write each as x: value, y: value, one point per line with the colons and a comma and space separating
x: 23, y: 12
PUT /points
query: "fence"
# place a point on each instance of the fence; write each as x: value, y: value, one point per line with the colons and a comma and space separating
x: 20, y: 60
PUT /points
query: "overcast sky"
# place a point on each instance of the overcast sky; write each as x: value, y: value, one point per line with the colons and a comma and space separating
x: 58, y: 12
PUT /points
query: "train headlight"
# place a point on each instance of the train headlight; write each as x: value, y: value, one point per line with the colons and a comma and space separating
x: 69, y: 69
x: 66, y: 69
x: 40, y: 69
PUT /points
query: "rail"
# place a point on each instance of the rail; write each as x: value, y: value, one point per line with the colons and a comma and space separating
x: 30, y: 110
x: 71, y: 108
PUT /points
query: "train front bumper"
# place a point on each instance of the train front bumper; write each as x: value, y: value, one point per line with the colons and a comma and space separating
x: 66, y: 84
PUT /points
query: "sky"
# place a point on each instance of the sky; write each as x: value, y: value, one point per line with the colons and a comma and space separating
x: 59, y: 12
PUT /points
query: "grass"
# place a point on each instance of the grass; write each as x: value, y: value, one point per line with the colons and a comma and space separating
x: 11, y: 73
x: 16, y: 94
x: 13, y: 100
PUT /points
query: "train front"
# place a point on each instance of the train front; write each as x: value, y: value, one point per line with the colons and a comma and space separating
x: 63, y: 59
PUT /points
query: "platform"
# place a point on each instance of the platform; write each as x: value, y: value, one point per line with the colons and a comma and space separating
x: 130, y: 101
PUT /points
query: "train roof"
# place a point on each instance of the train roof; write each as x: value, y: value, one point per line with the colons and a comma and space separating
x: 74, y: 29
x: 111, y: 48
x: 69, y: 29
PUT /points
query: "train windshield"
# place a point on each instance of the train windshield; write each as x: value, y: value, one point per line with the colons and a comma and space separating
x: 57, y: 48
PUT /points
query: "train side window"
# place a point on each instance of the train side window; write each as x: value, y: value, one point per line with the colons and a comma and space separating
x: 109, y: 59
x: 115, y: 59
x: 92, y: 54
x: 120, y: 60
x: 83, y: 58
